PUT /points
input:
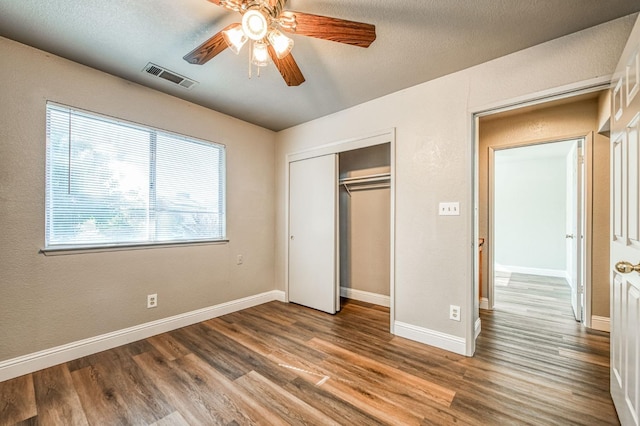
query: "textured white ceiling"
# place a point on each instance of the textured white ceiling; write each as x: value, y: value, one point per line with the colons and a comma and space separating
x: 417, y: 41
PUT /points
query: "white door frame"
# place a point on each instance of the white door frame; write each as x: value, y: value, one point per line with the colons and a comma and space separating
x: 376, y: 138
x: 562, y: 92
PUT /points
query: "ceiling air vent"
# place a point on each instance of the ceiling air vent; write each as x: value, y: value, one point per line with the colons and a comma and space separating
x: 171, y: 76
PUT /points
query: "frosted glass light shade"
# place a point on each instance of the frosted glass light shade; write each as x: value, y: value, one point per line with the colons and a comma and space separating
x: 260, y: 56
x: 281, y: 43
x: 235, y: 38
x: 254, y: 24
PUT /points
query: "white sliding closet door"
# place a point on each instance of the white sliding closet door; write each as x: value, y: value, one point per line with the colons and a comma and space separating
x: 313, y: 233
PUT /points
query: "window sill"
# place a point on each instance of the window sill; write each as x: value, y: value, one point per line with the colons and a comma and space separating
x: 61, y: 251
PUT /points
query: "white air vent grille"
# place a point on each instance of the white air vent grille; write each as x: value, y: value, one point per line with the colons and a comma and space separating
x: 167, y: 75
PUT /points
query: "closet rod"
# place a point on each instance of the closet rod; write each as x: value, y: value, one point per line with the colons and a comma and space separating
x: 364, y: 179
x: 372, y: 185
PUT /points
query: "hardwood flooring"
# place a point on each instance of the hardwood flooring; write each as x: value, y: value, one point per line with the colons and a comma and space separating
x: 278, y: 364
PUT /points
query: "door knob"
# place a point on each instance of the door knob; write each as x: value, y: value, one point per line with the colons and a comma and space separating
x: 569, y: 236
x: 625, y: 267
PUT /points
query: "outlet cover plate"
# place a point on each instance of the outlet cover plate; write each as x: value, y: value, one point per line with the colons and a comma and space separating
x: 152, y: 301
x: 454, y: 312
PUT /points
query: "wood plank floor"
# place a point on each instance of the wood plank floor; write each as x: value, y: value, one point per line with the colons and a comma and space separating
x: 284, y: 364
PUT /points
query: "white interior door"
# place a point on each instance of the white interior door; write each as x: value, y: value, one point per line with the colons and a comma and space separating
x: 575, y: 230
x: 313, y: 232
x: 625, y: 240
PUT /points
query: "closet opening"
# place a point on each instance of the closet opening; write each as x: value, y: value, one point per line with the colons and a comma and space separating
x: 364, y: 221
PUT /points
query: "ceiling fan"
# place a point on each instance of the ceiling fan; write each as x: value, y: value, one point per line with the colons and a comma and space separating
x: 263, y: 22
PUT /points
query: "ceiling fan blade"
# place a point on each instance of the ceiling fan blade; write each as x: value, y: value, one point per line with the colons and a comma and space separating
x: 209, y: 49
x: 288, y: 68
x: 334, y: 29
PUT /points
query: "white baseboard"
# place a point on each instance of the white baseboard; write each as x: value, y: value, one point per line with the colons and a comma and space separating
x: 484, y: 303
x: 600, y: 323
x: 478, y: 328
x: 430, y: 337
x: 49, y: 357
x: 559, y: 273
x: 365, y: 296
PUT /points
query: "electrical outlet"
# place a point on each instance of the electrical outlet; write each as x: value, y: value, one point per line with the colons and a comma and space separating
x: 449, y: 209
x: 454, y: 312
x: 239, y: 259
x: 152, y: 300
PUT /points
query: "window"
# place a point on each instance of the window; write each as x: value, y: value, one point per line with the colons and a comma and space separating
x: 113, y: 183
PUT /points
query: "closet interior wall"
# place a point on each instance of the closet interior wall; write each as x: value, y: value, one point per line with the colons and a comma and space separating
x: 364, y: 223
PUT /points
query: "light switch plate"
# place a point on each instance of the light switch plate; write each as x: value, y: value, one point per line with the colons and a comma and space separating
x: 449, y: 209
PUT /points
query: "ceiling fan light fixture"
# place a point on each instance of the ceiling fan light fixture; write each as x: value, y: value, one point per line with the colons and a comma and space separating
x: 255, y: 24
x: 235, y: 38
x: 280, y: 42
x: 260, y: 54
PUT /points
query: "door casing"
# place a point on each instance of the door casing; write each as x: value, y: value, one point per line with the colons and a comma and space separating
x: 535, y: 98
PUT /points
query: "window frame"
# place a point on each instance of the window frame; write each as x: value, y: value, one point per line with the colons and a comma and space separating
x: 62, y: 249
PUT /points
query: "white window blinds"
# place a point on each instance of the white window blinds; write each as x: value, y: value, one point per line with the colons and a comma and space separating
x: 111, y: 182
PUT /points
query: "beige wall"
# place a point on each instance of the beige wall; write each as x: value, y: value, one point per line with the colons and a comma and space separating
x: 548, y: 124
x: 49, y: 301
x: 434, y: 158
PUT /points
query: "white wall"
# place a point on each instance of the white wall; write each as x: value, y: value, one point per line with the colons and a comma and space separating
x: 434, y: 162
x: 49, y: 301
x: 531, y: 208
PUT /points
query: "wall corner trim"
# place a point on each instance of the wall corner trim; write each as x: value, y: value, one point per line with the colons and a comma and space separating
x: 431, y: 337
x: 30, y: 363
x: 601, y: 323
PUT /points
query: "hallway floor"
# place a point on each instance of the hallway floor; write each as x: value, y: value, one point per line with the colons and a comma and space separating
x: 533, y: 295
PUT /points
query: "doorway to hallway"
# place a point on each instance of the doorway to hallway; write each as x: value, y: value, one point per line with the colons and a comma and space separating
x: 537, y: 225
x: 566, y: 119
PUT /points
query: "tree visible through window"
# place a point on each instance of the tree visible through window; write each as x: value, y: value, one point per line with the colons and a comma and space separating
x: 111, y: 182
